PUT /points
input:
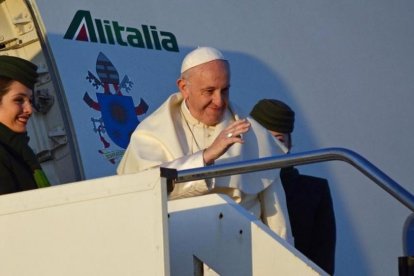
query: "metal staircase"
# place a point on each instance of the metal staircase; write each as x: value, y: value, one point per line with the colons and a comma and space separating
x: 406, y: 263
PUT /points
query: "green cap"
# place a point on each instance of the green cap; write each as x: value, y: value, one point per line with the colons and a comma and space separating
x: 18, y: 69
x: 274, y: 115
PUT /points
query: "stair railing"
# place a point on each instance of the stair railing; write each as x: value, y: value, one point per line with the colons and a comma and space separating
x: 294, y: 159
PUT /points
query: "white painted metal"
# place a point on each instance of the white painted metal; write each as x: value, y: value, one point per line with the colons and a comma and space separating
x: 108, y: 226
x: 228, y: 239
x: 118, y: 226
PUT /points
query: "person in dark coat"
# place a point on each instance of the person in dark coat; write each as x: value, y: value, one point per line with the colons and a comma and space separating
x: 19, y: 167
x: 309, y: 200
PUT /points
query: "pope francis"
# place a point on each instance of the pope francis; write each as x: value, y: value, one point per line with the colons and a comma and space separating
x: 198, y: 127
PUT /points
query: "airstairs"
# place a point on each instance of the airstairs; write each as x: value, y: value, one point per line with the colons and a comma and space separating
x: 124, y: 225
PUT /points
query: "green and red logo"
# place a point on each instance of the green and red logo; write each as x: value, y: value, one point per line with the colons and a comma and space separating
x: 85, y: 28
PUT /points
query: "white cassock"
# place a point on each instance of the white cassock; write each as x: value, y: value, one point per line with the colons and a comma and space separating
x: 172, y: 138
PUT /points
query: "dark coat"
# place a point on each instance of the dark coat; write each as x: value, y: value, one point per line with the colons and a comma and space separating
x: 15, y: 174
x: 311, y: 216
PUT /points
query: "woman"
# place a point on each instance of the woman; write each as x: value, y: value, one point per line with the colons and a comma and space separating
x: 19, y: 168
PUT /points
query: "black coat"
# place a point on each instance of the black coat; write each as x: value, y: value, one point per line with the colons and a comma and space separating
x: 311, y: 216
x: 15, y: 174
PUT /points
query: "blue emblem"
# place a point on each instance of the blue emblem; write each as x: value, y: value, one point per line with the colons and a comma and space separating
x: 119, y: 115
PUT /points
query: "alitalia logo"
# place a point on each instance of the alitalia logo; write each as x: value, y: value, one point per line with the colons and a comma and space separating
x: 85, y: 28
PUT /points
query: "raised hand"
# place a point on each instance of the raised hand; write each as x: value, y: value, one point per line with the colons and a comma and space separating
x: 230, y: 135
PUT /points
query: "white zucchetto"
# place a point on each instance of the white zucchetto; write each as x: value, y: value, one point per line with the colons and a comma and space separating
x: 199, y: 56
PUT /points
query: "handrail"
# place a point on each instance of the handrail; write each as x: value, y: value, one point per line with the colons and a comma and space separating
x: 316, y: 156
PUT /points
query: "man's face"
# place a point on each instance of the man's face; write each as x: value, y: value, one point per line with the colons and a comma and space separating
x: 206, y: 91
x: 284, y: 138
x: 16, y: 107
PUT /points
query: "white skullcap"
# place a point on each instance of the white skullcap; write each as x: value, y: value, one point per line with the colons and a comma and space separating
x: 199, y: 56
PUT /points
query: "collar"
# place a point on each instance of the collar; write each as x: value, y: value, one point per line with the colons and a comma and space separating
x: 18, y: 143
x: 189, y: 117
x: 7, y: 136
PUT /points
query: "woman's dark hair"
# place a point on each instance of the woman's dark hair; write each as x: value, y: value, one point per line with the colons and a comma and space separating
x: 4, y: 86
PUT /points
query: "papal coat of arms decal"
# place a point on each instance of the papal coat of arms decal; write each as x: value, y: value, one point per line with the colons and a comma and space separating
x: 118, y: 113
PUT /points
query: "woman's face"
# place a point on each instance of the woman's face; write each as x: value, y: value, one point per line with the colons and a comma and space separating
x: 16, y: 107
